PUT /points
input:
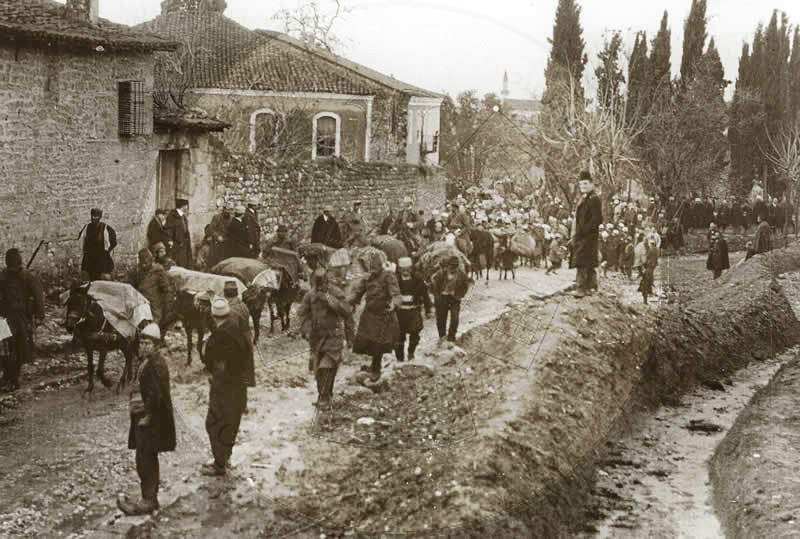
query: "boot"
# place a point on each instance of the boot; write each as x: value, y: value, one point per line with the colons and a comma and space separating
x: 142, y: 507
x: 399, y: 354
x: 375, y: 369
x: 213, y: 470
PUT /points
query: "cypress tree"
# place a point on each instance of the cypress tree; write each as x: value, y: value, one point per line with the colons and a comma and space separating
x: 567, y: 54
x: 714, y: 64
x: 659, y: 63
x: 639, y: 86
x: 694, y: 38
x: 794, y: 77
x: 775, y: 86
x: 609, y: 75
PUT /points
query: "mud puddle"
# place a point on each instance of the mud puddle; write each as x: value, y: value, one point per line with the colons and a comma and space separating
x: 656, y: 483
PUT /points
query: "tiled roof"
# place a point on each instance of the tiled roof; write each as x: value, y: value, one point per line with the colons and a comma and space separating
x: 174, y: 119
x: 229, y: 56
x: 47, y: 22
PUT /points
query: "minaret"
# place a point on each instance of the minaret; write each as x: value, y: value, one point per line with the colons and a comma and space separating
x: 505, y: 91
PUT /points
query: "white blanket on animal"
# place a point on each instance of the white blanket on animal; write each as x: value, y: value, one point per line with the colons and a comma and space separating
x: 123, y: 306
x: 185, y: 279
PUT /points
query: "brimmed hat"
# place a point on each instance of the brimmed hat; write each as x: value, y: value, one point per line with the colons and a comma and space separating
x: 220, y: 307
x: 404, y: 262
x: 152, y: 331
x: 180, y: 202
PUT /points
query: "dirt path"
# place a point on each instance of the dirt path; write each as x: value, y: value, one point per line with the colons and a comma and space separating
x: 65, y: 456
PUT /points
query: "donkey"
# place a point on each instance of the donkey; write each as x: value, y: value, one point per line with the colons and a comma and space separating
x: 85, y: 320
x: 282, y: 300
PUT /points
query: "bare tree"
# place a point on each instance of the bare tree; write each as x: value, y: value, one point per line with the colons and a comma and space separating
x: 312, y: 25
x: 784, y: 155
x: 174, y: 75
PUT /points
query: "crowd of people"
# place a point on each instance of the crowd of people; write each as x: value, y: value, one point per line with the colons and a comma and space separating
x: 397, y: 297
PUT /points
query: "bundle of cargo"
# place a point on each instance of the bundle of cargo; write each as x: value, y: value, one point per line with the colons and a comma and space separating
x: 436, y: 256
x: 523, y: 244
x: 250, y: 271
x: 391, y: 246
x: 279, y: 259
x: 315, y: 253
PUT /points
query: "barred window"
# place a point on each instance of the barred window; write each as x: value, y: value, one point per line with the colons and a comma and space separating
x: 131, y: 108
x: 327, y: 135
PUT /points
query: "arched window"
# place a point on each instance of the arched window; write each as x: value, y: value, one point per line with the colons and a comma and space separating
x: 327, y: 133
x: 265, y: 129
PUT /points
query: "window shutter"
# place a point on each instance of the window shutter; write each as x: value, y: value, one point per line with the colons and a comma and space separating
x: 131, y: 108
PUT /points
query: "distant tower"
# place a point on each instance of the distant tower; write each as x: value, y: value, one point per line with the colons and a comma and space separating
x: 505, y: 91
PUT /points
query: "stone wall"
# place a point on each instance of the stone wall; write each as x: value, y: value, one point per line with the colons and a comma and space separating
x: 296, y: 196
x: 61, y: 155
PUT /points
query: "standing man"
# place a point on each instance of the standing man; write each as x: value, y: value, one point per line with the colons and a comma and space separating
x: 240, y: 312
x: 226, y: 357
x: 253, y: 228
x: 219, y: 230
x: 179, y: 244
x: 326, y: 229
x: 152, y: 429
x: 588, y: 218
x: 448, y: 285
x: 762, y: 243
x: 98, y: 243
x: 414, y: 295
x: 323, y: 314
x: 155, y: 230
x: 238, y: 239
x: 22, y: 305
x: 154, y: 284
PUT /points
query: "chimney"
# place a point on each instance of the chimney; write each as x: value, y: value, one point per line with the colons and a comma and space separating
x: 83, y: 10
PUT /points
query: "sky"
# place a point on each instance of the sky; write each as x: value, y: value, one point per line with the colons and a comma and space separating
x: 453, y: 45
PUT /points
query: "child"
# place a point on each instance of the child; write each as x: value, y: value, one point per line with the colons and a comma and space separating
x: 556, y: 254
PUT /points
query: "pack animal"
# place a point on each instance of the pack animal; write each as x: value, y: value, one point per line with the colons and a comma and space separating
x: 482, y: 255
x: 86, y: 321
x: 281, y: 300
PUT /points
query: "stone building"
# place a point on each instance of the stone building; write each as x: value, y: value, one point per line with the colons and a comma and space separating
x: 525, y: 111
x: 299, y: 117
x: 79, y: 131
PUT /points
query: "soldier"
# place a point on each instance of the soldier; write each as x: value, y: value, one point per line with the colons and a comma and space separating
x: 414, y: 296
x: 22, y: 305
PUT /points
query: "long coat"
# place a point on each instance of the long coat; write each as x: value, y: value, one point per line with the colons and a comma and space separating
x: 98, y: 242
x: 177, y: 229
x: 153, y: 385
x: 718, y: 256
x: 240, y: 312
x: 588, y: 218
x: 237, y: 243
x: 763, y: 240
x: 378, y: 329
x: 323, y: 317
x: 156, y: 233
x: 253, y: 231
x: 327, y: 233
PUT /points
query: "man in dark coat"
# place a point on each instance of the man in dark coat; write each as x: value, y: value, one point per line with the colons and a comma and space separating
x: 240, y: 312
x: 152, y: 429
x: 253, y: 227
x: 323, y: 314
x: 22, y: 305
x: 152, y: 281
x: 179, y: 244
x: 588, y: 218
x: 226, y: 358
x: 717, y: 260
x: 762, y: 243
x: 238, y: 239
x: 449, y: 285
x: 98, y: 243
x: 326, y: 229
x: 155, y: 230
x: 414, y: 296
x: 219, y: 231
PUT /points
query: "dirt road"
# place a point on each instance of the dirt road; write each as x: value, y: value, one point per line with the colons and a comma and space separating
x: 64, y: 455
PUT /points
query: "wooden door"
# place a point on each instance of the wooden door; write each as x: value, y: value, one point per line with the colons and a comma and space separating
x: 172, y: 178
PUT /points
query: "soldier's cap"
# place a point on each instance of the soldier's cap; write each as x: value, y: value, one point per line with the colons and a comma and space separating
x: 220, y: 307
x: 96, y: 212
x: 230, y: 289
x: 404, y: 262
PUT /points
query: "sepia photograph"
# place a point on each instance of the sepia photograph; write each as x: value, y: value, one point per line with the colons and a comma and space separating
x: 328, y: 269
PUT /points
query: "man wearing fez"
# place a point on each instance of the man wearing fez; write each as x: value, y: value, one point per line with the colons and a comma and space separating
x: 588, y: 218
x: 179, y: 244
x: 326, y: 229
x: 414, y: 294
x: 155, y: 230
x: 98, y: 243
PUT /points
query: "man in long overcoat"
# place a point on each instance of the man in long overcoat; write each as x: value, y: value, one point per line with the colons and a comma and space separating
x: 414, y: 294
x: 98, y: 243
x: 155, y: 230
x: 238, y: 238
x: 253, y: 227
x: 179, y: 244
x: 326, y: 229
x: 762, y: 243
x: 588, y: 218
x: 152, y: 429
x: 219, y: 231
